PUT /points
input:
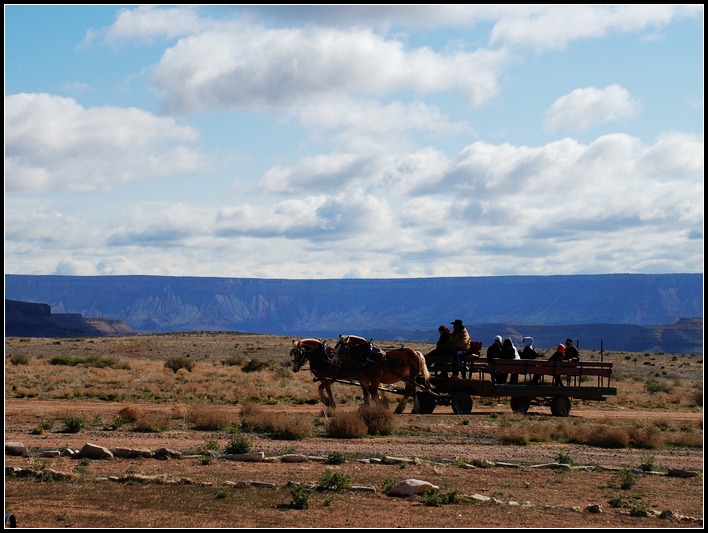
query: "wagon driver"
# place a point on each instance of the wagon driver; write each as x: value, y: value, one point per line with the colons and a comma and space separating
x: 458, y: 345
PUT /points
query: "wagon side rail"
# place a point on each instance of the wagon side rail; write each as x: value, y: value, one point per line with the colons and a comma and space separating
x: 573, y: 373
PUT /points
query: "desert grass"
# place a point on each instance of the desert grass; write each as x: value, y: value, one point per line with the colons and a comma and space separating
x: 347, y: 425
x: 379, y: 419
x: 208, y: 417
x: 241, y: 369
x: 279, y: 425
x: 516, y: 429
x: 153, y: 422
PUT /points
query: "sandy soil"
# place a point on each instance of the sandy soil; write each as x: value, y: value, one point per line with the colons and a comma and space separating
x: 443, y: 445
x: 459, y: 454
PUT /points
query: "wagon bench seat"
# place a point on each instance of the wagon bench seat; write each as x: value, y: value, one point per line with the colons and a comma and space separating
x: 552, y: 368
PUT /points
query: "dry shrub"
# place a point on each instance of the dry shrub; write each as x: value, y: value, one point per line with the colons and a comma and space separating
x: 208, y: 417
x: 251, y: 410
x: 696, y: 397
x: 542, y: 432
x: 131, y: 413
x: 154, y: 422
x: 347, y: 425
x: 291, y: 426
x: 278, y: 425
x: 693, y: 439
x: 647, y: 437
x: 607, y: 437
x: 519, y: 434
x: 378, y: 419
x: 327, y: 412
x: 25, y: 392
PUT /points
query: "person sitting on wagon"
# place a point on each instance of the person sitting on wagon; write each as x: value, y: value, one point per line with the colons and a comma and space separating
x: 493, y: 353
x: 558, y: 355
x: 509, y: 351
x: 440, y: 346
x: 444, y: 338
x: 571, y: 352
x: 458, y: 345
x: 528, y: 352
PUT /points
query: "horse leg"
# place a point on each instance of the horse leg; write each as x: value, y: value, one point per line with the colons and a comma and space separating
x: 377, y: 396
x: 410, y: 390
x: 328, y: 398
x: 365, y: 391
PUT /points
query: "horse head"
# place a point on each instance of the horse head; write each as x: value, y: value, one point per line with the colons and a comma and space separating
x: 303, y: 350
x: 352, y: 348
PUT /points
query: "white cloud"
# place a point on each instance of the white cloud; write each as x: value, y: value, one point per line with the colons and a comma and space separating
x: 53, y: 143
x: 145, y: 24
x: 374, y: 119
x: 45, y: 228
x: 255, y: 67
x: 316, y: 218
x: 555, y: 26
x: 586, y: 107
x: 368, y: 161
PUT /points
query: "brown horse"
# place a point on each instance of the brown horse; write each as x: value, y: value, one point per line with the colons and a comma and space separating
x: 319, y: 355
x: 375, y: 366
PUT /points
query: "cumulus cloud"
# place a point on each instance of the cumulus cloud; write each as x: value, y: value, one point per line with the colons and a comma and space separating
x: 251, y: 67
x: 586, y: 107
x: 555, y: 26
x: 54, y: 143
x: 315, y: 217
x: 46, y: 227
x: 372, y: 180
x: 375, y: 119
x: 161, y: 225
x: 145, y: 24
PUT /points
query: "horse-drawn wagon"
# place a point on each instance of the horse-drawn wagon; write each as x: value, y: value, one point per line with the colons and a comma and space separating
x: 359, y: 362
x: 534, y: 382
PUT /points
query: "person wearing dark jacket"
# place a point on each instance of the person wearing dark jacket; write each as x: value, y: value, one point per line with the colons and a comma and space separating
x: 528, y: 352
x: 571, y: 352
x: 444, y: 338
x: 494, y: 352
x: 441, y: 346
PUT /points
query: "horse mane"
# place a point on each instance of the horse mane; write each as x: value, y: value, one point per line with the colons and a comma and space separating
x: 352, y: 338
x: 308, y: 343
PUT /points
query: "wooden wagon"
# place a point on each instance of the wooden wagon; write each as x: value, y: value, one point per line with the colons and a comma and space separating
x: 536, y: 382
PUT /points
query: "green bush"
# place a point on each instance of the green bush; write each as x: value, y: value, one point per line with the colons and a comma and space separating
x: 239, y: 445
x: 648, y: 465
x: 300, y: 496
x: 627, y: 479
x: 335, y: 458
x: 433, y: 498
x: 334, y: 480
x: 74, y: 424
x: 564, y: 458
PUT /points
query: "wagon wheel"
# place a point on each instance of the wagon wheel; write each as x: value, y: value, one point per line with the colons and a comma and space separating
x: 520, y: 404
x: 426, y: 402
x: 461, y: 403
x: 560, y: 406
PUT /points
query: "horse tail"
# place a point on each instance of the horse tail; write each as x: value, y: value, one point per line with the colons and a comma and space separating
x: 423, y: 366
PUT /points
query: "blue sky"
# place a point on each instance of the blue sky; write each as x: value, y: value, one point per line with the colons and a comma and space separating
x: 353, y: 141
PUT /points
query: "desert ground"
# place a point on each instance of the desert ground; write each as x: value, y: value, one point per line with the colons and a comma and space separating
x: 634, y: 460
